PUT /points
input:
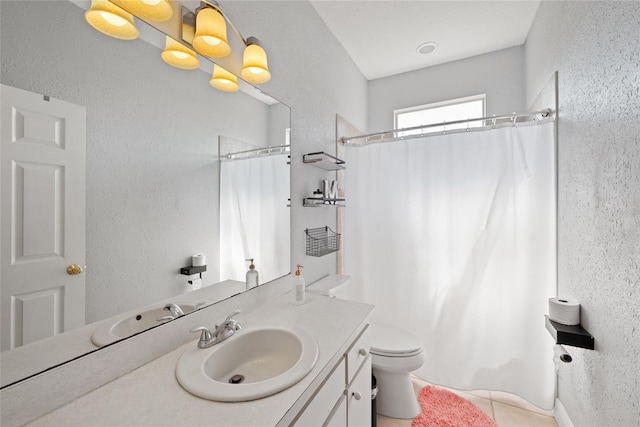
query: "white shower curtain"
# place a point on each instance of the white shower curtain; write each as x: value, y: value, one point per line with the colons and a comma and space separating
x: 453, y: 238
x: 254, y: 217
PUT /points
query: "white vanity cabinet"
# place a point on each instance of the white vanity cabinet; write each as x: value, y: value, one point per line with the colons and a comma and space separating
x: 344, y: 398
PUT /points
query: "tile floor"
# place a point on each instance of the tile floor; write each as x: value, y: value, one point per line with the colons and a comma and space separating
x: 505, y: 409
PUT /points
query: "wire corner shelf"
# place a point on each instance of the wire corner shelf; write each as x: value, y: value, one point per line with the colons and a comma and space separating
x: 315, y: 202
x: 324, y: 161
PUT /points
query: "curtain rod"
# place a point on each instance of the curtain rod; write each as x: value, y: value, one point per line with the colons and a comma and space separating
x: 390, y: 135
x: 258, y: 152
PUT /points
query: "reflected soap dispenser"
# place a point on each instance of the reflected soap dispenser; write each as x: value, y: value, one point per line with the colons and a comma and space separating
x: 252, y: 275
x: 298, y: 287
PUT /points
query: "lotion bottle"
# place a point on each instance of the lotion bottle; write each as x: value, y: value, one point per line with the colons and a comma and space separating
x: 298, y: 287
x: 252, y: 275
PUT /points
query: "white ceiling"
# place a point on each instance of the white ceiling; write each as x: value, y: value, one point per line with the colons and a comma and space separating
x: 382, y: 36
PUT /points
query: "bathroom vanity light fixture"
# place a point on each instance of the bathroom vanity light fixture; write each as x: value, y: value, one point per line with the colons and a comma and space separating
x: 205, y: 31
x: 223, y: 79
x: 154, y: 10
x: 178, y: 55
x: 254, y: 62
x: 211, y: 40
x: 111, y: 20
x: 211, y: 33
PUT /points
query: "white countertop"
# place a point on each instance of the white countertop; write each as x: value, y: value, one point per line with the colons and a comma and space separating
x: 150, y: 395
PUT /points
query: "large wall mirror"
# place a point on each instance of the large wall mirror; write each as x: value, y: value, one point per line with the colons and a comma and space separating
x: 155, y: 136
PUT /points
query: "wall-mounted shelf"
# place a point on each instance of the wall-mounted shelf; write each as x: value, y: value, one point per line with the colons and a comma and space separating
x: 323, y: 160
x: 188, y: 271
x: 573, y: 335
x: 314, y: 202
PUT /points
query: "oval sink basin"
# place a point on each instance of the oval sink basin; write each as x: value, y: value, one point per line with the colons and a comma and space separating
x: 125, y: 325
x: 255, y: 362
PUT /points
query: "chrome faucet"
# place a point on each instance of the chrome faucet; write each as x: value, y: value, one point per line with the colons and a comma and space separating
x: 175, y: 310
x: 221, y: 332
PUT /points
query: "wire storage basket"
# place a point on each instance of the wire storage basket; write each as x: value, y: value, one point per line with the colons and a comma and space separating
x: 321, y: 241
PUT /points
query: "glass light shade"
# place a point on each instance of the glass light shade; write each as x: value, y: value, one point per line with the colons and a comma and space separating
x: 223, y: 79
x: 179, y: 55
x: 211, y: 34
x: 254, y: 65
x: 153, y: 10
x: 111, y: 20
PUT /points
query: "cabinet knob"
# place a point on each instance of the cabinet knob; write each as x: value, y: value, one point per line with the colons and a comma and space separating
x: 356, y: 395
x: 363, y: 352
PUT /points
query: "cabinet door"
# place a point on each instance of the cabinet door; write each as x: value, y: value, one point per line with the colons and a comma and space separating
x: 322, y: 404
x: 359, y: 397
x: 357, y: 354
x: 338, y: 417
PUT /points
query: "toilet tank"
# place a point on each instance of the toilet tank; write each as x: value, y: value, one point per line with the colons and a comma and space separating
x: 333, y: 285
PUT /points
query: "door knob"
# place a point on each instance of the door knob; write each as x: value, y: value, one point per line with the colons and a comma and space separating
x: 74, y: 269
x: 357, y: 395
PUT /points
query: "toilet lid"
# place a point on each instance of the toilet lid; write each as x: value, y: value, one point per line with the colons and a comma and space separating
x: 391, y: 341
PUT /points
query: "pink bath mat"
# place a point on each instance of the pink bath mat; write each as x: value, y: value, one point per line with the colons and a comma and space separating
x: 442, y: 408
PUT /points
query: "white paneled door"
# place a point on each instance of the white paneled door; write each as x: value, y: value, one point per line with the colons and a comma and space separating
x: 42, y: 220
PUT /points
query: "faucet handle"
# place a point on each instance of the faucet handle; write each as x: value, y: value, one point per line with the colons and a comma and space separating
x: 205, y: 336
x: 232, y: 324
x: 198, y: 305
x: 231, y: 315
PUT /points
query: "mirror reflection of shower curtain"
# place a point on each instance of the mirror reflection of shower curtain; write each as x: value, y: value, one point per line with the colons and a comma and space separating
x: 453, y: 238
x: 254, y: 217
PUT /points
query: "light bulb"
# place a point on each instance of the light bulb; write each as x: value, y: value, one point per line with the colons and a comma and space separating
x: 112, y: 19
x: 212, y: 41
x: 180, y: 55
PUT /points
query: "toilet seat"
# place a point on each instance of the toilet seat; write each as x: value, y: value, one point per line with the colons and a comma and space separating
x: 388, y: 341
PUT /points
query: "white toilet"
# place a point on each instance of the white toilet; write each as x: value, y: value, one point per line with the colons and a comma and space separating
x: 395, y: 353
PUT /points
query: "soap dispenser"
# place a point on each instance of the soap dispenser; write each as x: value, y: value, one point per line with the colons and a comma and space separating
x: 252, y: 275
x: 298, y: 287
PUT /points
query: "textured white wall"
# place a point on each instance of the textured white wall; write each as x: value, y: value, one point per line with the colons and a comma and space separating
x: 498, y: 74
x: 152, y: 145
x: 595, y: 47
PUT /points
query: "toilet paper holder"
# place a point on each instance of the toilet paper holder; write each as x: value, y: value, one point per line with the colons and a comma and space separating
x: 188, y: 271
x: 572, y: 335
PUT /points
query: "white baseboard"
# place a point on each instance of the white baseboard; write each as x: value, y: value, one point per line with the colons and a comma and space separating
x: 562, y: 417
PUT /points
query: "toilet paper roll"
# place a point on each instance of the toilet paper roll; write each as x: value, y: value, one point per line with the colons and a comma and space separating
x: 193, y: 284
x: 198, y: 260
x: 565, y: 312
x: 196, y: 284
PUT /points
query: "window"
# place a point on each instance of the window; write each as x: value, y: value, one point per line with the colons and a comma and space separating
x: 455, y: 109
